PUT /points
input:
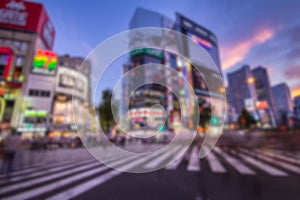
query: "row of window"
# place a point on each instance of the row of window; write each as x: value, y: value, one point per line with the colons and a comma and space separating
x: 39, y: 93
x: 34, y: 120
x: 20, y: 45
x: 4, y: 59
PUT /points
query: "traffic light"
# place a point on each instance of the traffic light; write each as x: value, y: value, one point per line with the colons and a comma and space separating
x: 214, y: 120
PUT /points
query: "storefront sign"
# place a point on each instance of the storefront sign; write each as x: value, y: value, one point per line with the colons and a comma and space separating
x: 44, y: 62
x: 29, y: 16
x: 148, y: 51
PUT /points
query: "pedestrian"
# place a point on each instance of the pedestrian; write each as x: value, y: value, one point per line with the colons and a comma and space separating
x: 10, y: 146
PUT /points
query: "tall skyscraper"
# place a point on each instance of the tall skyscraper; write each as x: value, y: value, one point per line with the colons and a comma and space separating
x: 283, y: 101
x: 264, y: 92
x: 297, y: 107
x: 199, y: 35
x: 241, y: 89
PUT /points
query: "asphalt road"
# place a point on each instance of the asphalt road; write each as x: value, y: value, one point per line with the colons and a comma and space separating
x: 225, y: 174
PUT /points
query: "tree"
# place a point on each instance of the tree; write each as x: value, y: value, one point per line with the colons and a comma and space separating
x: 106, y: 109
x: 245, y: 119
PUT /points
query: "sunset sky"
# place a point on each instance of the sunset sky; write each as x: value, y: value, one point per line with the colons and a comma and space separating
x: 257, y: 32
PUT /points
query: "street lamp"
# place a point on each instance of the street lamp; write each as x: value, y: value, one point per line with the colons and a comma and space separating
x: 250, y: 80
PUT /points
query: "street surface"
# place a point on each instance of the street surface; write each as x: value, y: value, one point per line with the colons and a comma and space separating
x: 226, y: 173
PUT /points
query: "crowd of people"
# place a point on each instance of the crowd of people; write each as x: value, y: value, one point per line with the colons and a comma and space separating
x: 11, y: 143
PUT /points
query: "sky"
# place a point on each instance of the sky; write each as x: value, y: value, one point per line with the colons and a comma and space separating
x: 258, y: 33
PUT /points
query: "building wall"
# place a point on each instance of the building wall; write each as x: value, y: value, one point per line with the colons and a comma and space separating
x: 297, y: 107
x: 283, y: 101
x: 264, y: 92
x: 240, y: 89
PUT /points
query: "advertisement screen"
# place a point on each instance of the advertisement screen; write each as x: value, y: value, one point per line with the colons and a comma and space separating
x: 44, y: 62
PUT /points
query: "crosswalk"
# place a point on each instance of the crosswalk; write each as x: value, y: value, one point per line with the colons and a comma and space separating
x: 70, y: 179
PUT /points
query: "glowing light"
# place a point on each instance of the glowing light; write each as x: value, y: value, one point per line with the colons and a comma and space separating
x: 295, y: 92
x: 45, y: 59
x: 250, y: 80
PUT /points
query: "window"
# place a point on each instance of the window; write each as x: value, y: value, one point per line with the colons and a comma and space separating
x: 34, y: 120
x: 45, y: 93
x: 24, y: 46
x: 39, y: 93
x: 173, y: 62
x: 17, y: 44
x: 4, y: 59
x: 20, y: 61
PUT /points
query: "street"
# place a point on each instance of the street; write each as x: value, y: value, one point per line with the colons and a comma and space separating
x: 226, y: 173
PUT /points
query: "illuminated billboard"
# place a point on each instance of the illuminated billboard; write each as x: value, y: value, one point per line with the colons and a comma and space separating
x: 71, y: 82
x: 204, y: 43
x: 44, y: 62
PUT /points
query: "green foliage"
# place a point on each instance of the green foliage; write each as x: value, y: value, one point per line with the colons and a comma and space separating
x: 106, y: 109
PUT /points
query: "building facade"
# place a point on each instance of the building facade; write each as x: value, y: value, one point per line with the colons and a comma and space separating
x: 268, y: 114
x: 153, y: 94
x: 297, y: 107
x: 283, y: 102
x: 26, y: 34
x: 241, y: 90
x: 71, y: 94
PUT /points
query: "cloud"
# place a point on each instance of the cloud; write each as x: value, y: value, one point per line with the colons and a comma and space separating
x: 294, y: 53
x: 231, y: 55
x: 292, y: 73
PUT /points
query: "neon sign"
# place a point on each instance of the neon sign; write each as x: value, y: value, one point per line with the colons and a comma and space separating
x: 44, y: 62
x: 201, y: 41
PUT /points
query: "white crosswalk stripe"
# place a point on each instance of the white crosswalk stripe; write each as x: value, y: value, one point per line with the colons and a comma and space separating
x: 263, y: 166
x: 50, y: 177
x: 237, y: 165
x: 194, y: 162
x: 295, y: 154
x: 176, y: 163
x: 286, y: 166
x: 285, y: 158
x: 161, y: 158
x: 43, y: 189
x: 214, y: 163
x: 75, y: 191
x: 70, y: 179
x: 39, y: 172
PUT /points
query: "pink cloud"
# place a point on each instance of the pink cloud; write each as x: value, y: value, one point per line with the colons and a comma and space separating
x: 231, y: 55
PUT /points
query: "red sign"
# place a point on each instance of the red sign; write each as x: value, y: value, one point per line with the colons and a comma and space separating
x: 262, y: 105
x: 29, y: 16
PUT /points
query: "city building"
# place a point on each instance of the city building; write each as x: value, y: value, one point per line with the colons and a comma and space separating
x: 195, y: 74
x: 297, y: 112
x: 241, y: 90
x: 283, y: 102
x: 297, y: 106
x: 150, y: 94
x: 268, y: 113
x: 71, y: 94
x: 201, y: 36
x: 153, y: 94
x: 26, y: 41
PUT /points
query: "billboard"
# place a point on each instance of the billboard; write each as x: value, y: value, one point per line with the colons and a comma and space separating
x: 201, y: 36
x: 71, y: 82
x: 44, y: 62
x: 28, y: 16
